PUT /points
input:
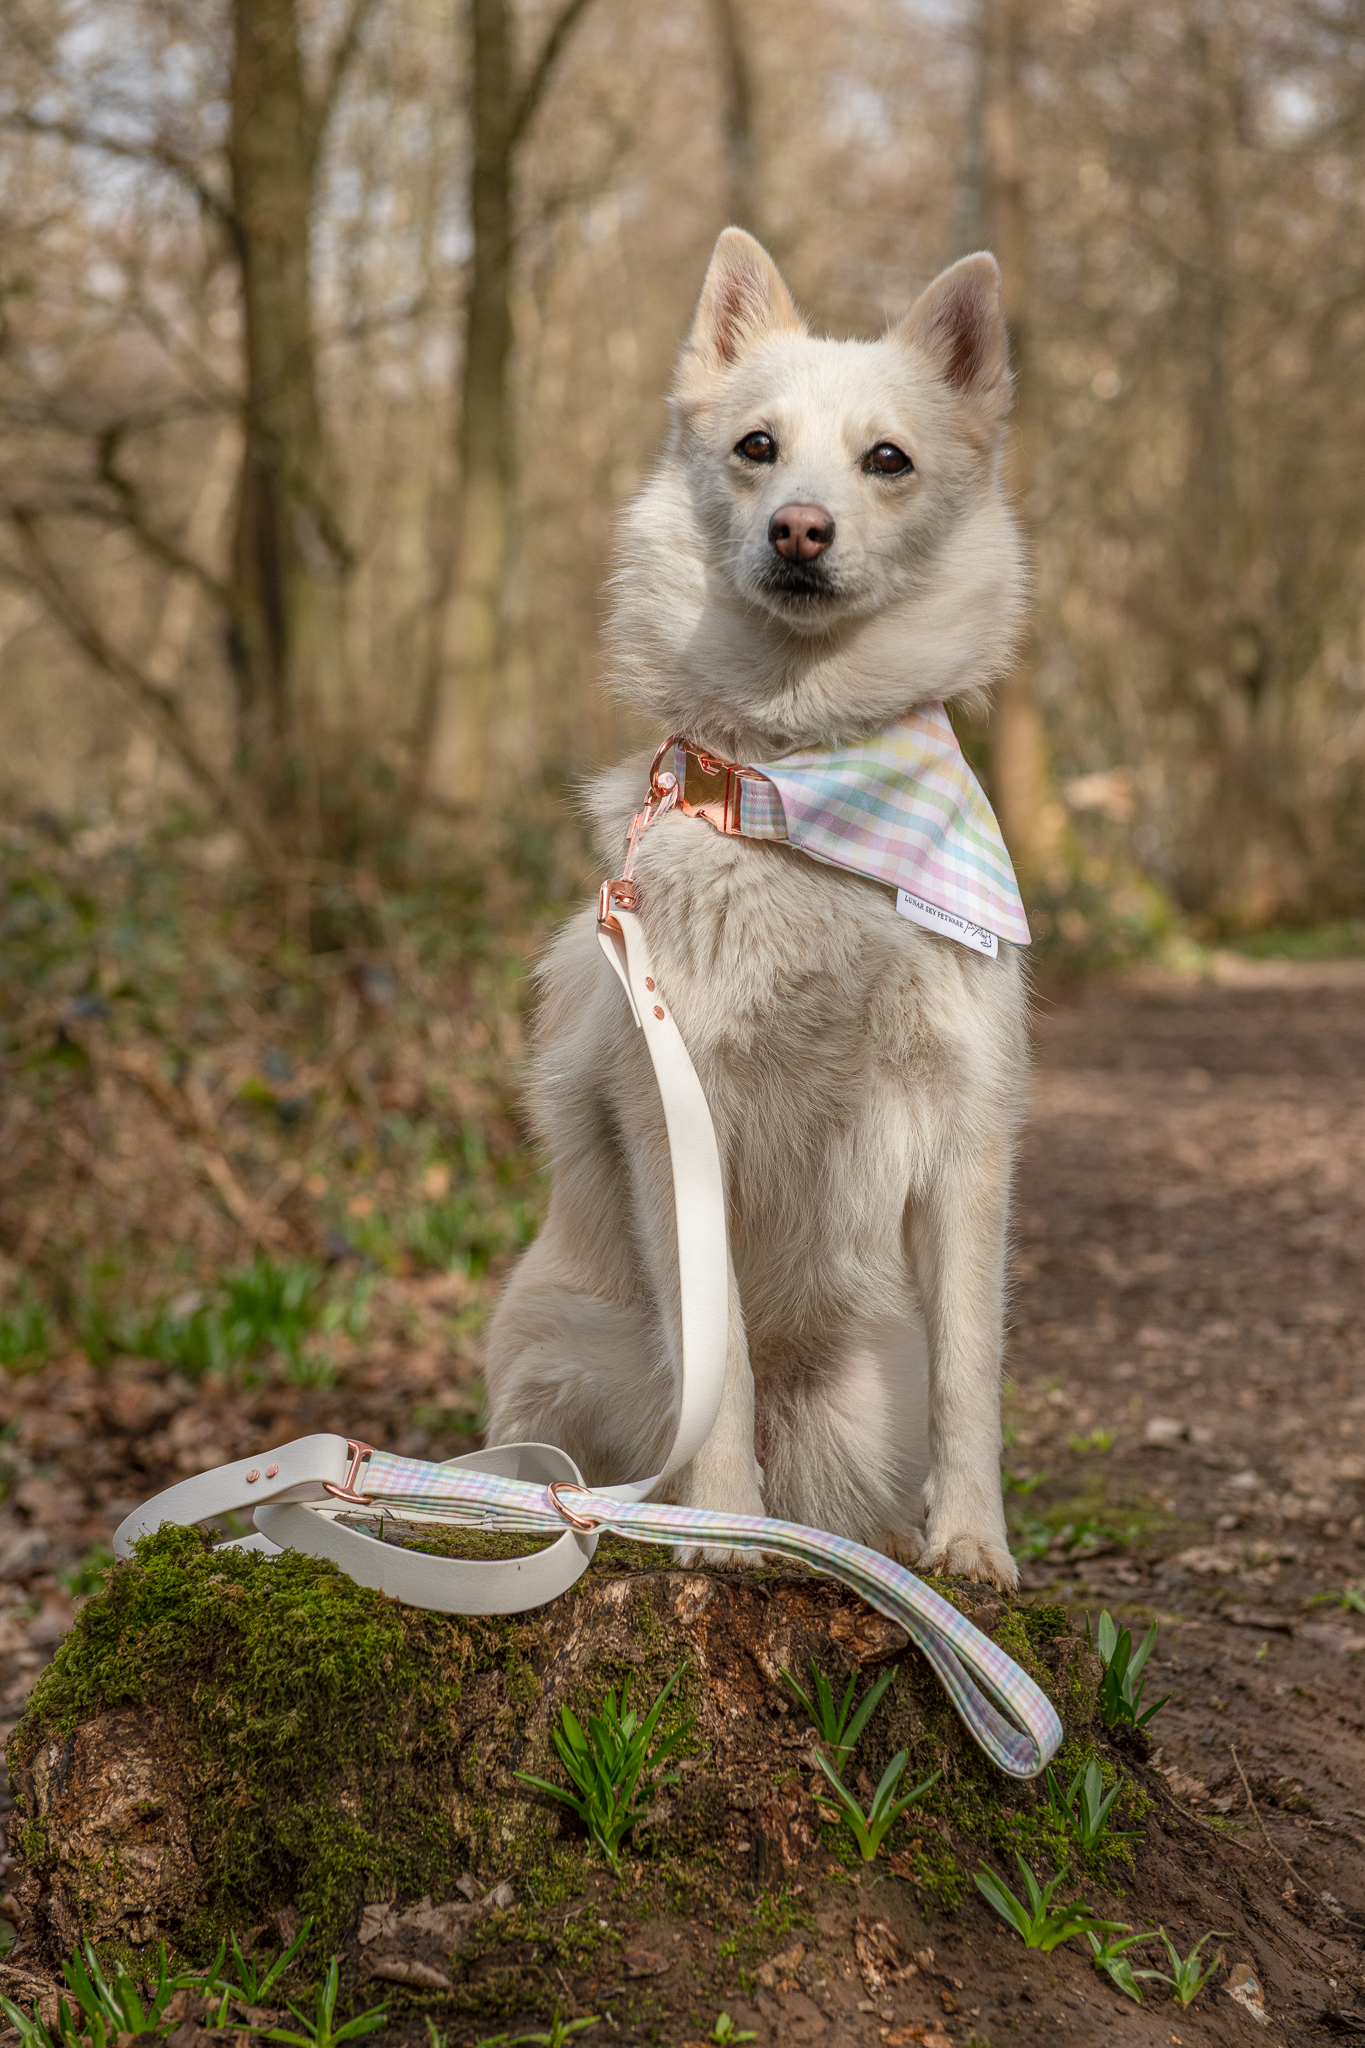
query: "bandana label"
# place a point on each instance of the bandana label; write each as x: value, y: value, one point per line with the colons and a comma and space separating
x: 935, y: 920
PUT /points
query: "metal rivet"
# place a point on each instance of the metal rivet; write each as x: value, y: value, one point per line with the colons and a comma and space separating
x: 657, y: 1011
x: 649, y: 983
x: 271, y: 1471
x: 252, y: 1476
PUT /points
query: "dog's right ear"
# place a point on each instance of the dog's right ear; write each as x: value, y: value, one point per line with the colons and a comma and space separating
x: 743, y: 301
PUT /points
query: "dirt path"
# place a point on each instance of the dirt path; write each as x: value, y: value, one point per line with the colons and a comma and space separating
x: 1190, y: 1269
x: 1186, y: 1443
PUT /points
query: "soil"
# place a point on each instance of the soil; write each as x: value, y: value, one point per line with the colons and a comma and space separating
x: 1186, y: 1444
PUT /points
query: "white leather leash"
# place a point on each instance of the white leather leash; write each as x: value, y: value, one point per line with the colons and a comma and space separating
x: 294, y: 1494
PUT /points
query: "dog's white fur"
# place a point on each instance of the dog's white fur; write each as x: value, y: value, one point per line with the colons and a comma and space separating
x: 865, y: 1077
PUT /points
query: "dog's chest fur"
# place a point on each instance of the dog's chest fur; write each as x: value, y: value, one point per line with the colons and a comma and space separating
x: 840, y: 1048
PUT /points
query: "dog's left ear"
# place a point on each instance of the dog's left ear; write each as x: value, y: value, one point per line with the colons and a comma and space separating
x: 959, y: 324
x: 743, y: 301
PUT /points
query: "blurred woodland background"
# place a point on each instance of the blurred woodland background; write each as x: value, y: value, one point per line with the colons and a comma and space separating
x: 333, y: 334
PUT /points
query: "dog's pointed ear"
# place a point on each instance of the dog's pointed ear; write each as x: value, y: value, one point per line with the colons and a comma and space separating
x: 743, y: 301
x: 959, y: 324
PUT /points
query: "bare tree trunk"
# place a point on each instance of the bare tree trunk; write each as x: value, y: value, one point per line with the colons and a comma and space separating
x: 288, y: 553
x: 473, y: 624
x: 462, y: 689
x: 737, y: 116
x: 1030, y: 817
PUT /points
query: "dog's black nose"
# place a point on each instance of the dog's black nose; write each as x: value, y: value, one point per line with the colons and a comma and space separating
x: 801, y: 532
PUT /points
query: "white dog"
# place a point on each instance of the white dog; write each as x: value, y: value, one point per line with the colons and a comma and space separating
x: 824, y: 547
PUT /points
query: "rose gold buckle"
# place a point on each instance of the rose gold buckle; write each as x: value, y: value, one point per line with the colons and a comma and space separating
x: 714, y: 789
x: 360, y: 1455
x: 574, y: 1521
x: 625, y: 892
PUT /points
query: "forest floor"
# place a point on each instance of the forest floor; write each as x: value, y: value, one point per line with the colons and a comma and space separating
x: 1185, y: 1443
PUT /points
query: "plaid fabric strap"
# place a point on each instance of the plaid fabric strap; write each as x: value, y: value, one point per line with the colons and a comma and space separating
x: 902, y: 807
x: 1006, y: 1713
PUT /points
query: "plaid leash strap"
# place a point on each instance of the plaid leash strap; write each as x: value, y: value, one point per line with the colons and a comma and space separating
x: 902, y: 807
x: 1009, y: 1716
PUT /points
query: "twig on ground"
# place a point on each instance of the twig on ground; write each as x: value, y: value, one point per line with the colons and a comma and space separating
x: 1256, y: 1815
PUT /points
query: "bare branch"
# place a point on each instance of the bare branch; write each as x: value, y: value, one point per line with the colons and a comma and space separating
x: 323, y: 107
x: 66, y: 609
x: 133, y: 516
x: 158, y: 153
x: 563, y: 26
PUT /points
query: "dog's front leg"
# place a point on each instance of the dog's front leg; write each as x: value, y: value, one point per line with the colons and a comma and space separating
x: 957, y: 1237
x: 725, y: 1475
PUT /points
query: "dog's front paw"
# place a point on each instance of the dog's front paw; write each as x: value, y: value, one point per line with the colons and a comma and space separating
x: 692, y: 1555
x: 903, y: 1546
x: 970, y: 1557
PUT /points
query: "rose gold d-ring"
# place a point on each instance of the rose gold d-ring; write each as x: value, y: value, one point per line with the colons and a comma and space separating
x: 574, y: 1521
x: 360, y: 1454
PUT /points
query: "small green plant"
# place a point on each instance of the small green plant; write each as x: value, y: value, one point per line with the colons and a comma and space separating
x: 23, y: 1332
x: 1187, y: 1978
x: 1111, y: 1959
x: 1350, y: 1597
x: 870, y: 1829
x: 1021, y: 1482
x: 836, y: 1731
x: 1040, y: 1924
x: 319, y: 2031
x: 251, y: 1982
x: 1084, y: 1808
x: 606, y: 1762
x: 559, y: 2033
x: 87, y: 1576
x: 1121, y: 1689
x: 725, y: 2032
x: 1098, y: 1440
x: 104, y: 2009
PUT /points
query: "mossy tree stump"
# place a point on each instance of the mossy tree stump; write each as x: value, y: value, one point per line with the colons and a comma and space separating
x: 224, y: 1738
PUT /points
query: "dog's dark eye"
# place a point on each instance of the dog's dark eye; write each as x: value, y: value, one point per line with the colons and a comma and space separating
x: 886, y: 459
x: 757, y: 448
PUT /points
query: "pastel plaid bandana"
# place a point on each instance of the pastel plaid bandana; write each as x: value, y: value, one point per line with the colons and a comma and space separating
x: 902, y: 807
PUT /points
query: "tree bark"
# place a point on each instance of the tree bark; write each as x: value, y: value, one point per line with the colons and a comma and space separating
x: 288, y: 552
x: 456, y: 729
x: 737, y: 116
x: 471, y: 631
x: 1030, y: 818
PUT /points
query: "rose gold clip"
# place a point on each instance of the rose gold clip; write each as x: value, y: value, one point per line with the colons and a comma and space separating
x: 663, y: 795
x: 574, y: 1521
x: 360, y: 1455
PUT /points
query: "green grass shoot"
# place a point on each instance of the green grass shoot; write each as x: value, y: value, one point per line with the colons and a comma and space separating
x: 1084, y: 1808
x: 870, y: 1829
x: 606, y: 1761
x: 1040, y: 1924
x: 1121, y: 1687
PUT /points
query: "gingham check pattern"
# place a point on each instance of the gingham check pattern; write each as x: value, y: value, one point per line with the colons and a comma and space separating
x: 1020, y: 1739
x: 902, y: 807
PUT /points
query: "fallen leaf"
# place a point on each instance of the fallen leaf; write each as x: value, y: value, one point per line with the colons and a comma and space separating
x: 376, y: 1921
x: 1244, y: 1986
x: 780, y: 1965
x: 392, y: 1969
x: 878, y: 1950
x: 1251, y: 1617
x: 643, y: 1962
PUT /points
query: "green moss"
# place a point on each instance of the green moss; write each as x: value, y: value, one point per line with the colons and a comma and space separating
x: 340, y: 1748
x: 355, y: 1775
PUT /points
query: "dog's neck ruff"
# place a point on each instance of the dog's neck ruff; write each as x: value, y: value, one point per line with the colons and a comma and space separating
x: 902, y: 807
x: 295, y: 1493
